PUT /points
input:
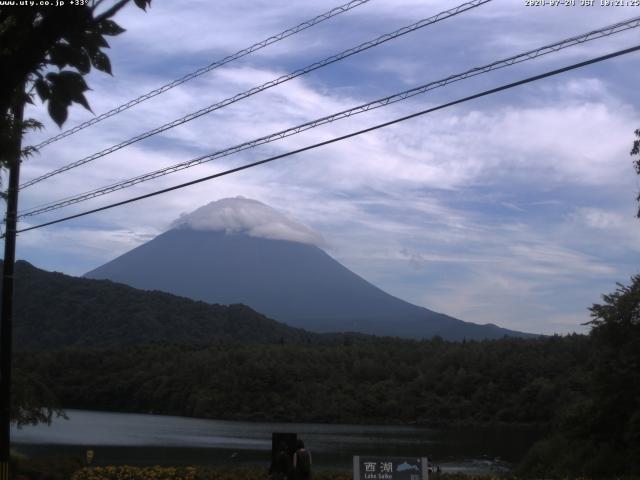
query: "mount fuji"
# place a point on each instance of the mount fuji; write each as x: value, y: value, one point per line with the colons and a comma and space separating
x: 238, y: 250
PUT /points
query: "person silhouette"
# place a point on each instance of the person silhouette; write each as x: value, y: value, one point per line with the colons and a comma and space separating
x: 301, y: 462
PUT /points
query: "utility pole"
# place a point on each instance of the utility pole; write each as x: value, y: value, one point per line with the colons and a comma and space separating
x: 6, y: 314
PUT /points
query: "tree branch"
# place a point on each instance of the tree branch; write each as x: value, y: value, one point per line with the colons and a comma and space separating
x: 112, y: 11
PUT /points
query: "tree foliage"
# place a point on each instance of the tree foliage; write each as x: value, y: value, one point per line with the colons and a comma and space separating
x: 615, y: 418
x: 86, y: 312
x: 32, y: 401
x: 600, y: 435
x: 49, y: 50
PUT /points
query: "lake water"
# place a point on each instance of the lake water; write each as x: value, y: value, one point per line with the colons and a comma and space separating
x: 134, y: 439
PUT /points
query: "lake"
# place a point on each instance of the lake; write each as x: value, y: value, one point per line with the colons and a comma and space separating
x: 136, y: 439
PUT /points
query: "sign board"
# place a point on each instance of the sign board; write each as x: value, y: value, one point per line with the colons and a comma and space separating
x: 390, y: 468
x: 280, y: 437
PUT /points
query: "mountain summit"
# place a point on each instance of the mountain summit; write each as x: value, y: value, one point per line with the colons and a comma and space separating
x: 250, y: 217
x: 238, y: 250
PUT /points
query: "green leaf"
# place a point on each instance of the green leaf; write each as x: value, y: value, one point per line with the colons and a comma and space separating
x: 31, y: 124
x: 72, y: 81
x: 66, y: 87
x: 82, y: 62
x: 101, y: 62
x: 142, y: 4
x: 58, y: 112
x: 100, y: 41
x: 42, y: 88
x: 58, y: 55
x: 109, y: 27
x: 82, y: 100
x: 93, y: 41
x: 62, y: 55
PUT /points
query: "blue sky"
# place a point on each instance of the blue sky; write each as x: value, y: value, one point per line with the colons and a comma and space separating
x: 516, y: 209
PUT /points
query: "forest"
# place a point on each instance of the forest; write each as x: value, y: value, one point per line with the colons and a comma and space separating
x: 510, y: 381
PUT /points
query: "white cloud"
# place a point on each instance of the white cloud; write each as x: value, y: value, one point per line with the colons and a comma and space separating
x: 603, y: 220
x: 243, y: 215
x: 620, y: 230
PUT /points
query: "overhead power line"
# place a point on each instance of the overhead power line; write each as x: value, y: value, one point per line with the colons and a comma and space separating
x: 529, y: 55
x: 218, y: 63
x: 343, y: 137
x: 272, y: 83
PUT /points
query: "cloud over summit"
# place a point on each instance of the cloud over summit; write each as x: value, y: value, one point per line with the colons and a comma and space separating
x: 244, y: 215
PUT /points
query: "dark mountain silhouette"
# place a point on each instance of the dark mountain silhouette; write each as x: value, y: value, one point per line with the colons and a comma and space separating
x: 52, y: 310
x: 296, y: 283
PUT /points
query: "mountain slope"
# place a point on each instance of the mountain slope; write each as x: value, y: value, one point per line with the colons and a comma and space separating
x: 296, y: 283
x: 52, y: 310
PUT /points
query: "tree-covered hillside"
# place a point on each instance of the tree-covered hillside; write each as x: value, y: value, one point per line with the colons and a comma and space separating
x: 52, y: 310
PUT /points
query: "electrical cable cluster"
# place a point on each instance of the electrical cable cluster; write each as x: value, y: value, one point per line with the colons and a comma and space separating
x: 265, y: 86
x: 344, y: 137
x: 397, y: 97
x: 201, y: 71
x: 382, y: 102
